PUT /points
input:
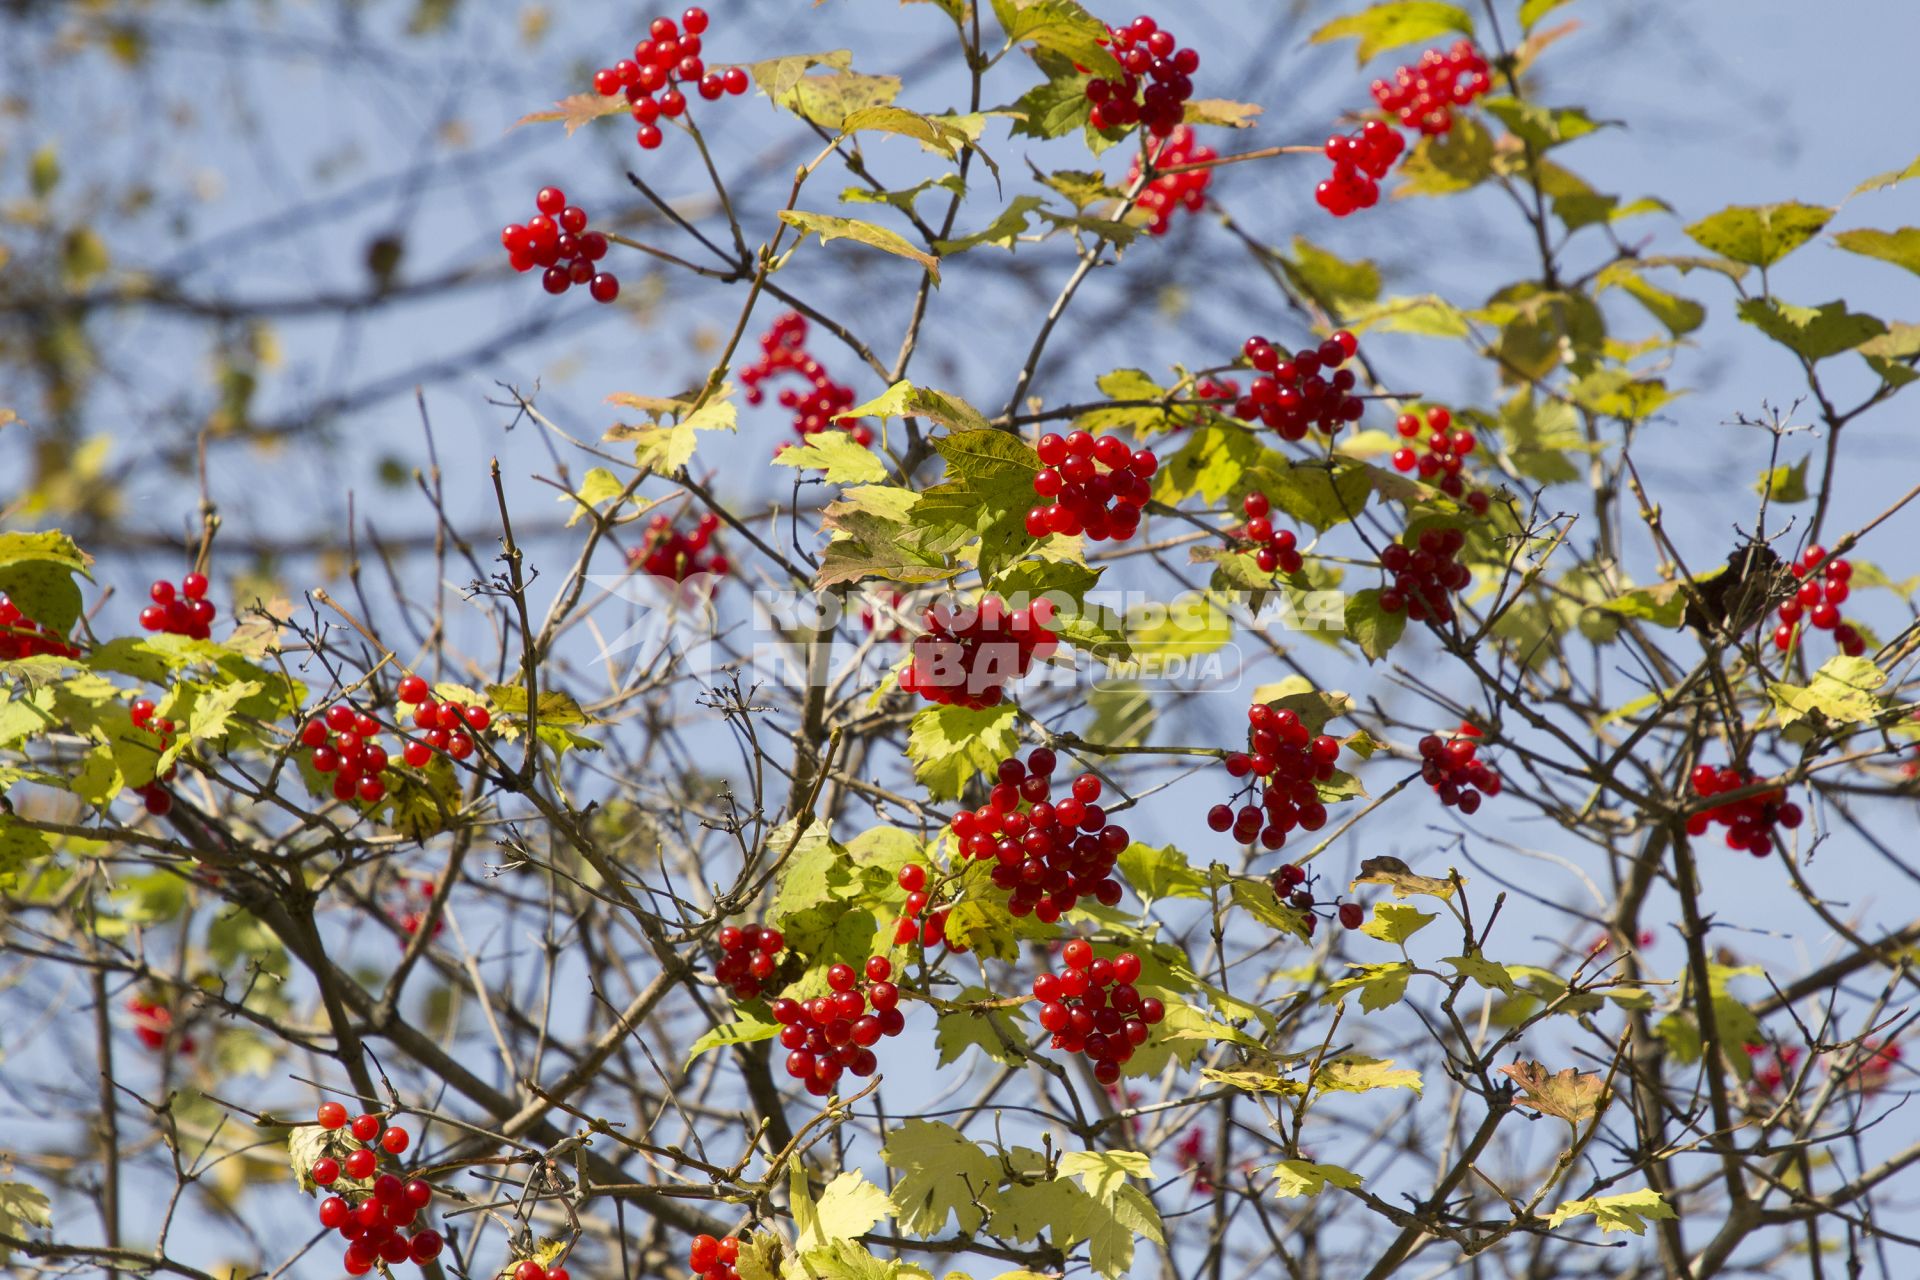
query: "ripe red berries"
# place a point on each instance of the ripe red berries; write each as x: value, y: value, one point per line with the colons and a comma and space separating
x: 1274, y: 550
x: 374, y: 1219
x: 22, y: 637
x: 153, y: 1023
x: 557, y: 238
x: 1307, y: 389
x: 1423, y: 94
x: 783, y: 349
x: 1749, y: 820
x: 834, y: 1034
x: 1100, y: 504
x: 968, y: 658
x: 1423, y: 571
x: 1454, y: 771
x: 1360, y: 160
x: 708, y: 1258
x: 1091, y: 1006
x: 748, y: 958
x: 669, y: 54
x: 1285, y: 759
x: 669, y: 553
x: 1147, y: 55
x: 1171, y: 192
x: 182, y: 612
x: 1819, y: 600
x: 1047, y: 853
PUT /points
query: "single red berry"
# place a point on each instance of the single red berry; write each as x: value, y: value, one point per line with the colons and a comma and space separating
x: 331, y: 1115
x: 366, y: 1128
x: 362, y: 1163
x: 1352, y: 916
x: 550, y: 200
x: 325, y: 1171
x: 395, y: 1140
x: 604, y: 287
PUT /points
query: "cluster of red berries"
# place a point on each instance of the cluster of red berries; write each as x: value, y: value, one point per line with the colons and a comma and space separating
x: 783, y: 349
x: 1092, y: 1007
x: 1423, y: 572
x: 835, y: 1033
x: 154, y: 795
x: 1819, y: 600
x: 747, y: 958
x: 1308, y: 389
x: 1423, y: 94
x: 446, y: 726
x: 1285, y: 759
x: 346, y: 744
x: 1146, y: 52
x: 1445, y: 457
x: 1216, y: 390
x: 969, y: 661
x: 22, y: 637
x: 153, y: 1023
x: 1290, y: 885
x: 412, y: 897
x: 711, y: 1259
x: 1085, y: 500
x: 1048, y: 854
x: 669, y: 553
x: 1360, y: 161
x: 670, y: 54
x: 378, y: 1229
x: 917, y: 925
x: 557, y: 238
x: 1453, y: 769
x: 1274, y: 550
x: 185, y: 612
x: 1770, y: 1075
x: 1172, y: 191
x: 1749, y: 820
x: 530, y: 1269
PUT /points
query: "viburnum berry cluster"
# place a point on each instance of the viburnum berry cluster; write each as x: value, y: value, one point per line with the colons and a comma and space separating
x: 557, y: 238
x: 1217, y: 390
x: 1283, y: 760
x: 1274, y: 550
x: 445, y: 726
x: 711, y: 1259
x: 1749, y: 820
x: 1149, y: 56
x: 970, y: 660
x: 154, y: 795
x: 748, y: 957
x: 670, y: 54
x: 409, y: 901
x: 1171, y: 192
x: 1445, y: 456
x: 1818, y: 600
x: 1305, y: 390
x: 1091, y: 1006
x: 346, y: 745
x: 783, y: 349
x: 1293, y: 886
x: 1101, y: 505
x: 1360, y: 161
x: 1453, y: 768
x: 185, y: 611
x: 378, y: 1220
x: 917, y: 925
x: 1424, y: 571
x: 153, y: 1023
x: 669, y: 553
x: 835, y: 1033
x: 1771, y: 1063
x: 1048, y: 853
x: 1423, y: 94
x: 22, y: 637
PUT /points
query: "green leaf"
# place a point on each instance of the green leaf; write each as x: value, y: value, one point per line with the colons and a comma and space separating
x: 1843, y: 690
x: 1359, y: 1074
x: 1393, y: 873
x: 1190, y: 625
x: 828, y: 227
x: 1488, y: 973
x: 1813, y: 332
x: 36, y: 573
x: 905, y: 198
x: 1332, y: 280
x: 1680, y: 315
x: 835, y: 453
x: 1618, y: 394
x: 1380, y: 985
x: 989, y: 1030
x: 1629, y: 1212
x: 556, y: 707
x: 1317, y: 494
x: 932, y: 133
x: 19, y: 845
x: 1533, y: 10
x: 747, y: 1029
x: 940, y: 1174
x: 778, y: 76
x: 1058, y: 27
x: 1103, y: 1173
x: 1395, y: 922
x: 830, y: 98
x: 1160, y: 873
x: 1784, y: 483
x: 1001, y: 232
x: 1372, y: 628
x: 848, y: 1207
x: 985, y: 499
x: 1427, y: 314
x: 1892, y: 355
x: 1891, y: 178
x: 1541, y: 127
x: 904, y: 400
x: 1294, y: 1179
x: 1221, y: 113
x: 598, y: 486
x: 1901, y: 248
x: 43, y: 171
x: 1457, y: 160
x: 950, y: 746
x: 1760, y: 235
x: 1397, y: 23
x: 1057, y: 106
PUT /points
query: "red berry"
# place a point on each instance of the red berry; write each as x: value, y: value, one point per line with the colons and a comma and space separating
x: 331, y: 1115
x: 395, y: 1140
x: 325, y: 1171
x: 366, y: 1128
x: 550, y: 200
x: 604, y: 287
x: 361, y: 1163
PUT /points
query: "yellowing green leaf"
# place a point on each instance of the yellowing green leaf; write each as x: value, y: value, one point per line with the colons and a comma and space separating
x: 1901, y: 248
x: 828, y: 227
x: 1629, y: 1212
x: 1395, y: 922
x: 1488, y: 973
x: 951, y: 745
x: 1396, y: 23
x: 1358, y: 1074
x: 837, y: 454
x: 748, y: 1028
x: 1814, y: 332
x: 1395, y: 874
x: 1843, y: 690
x: 1380, y: 985
x: 1294, y: 1179
x: 1760, y: 235
x: 940, y: 1174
